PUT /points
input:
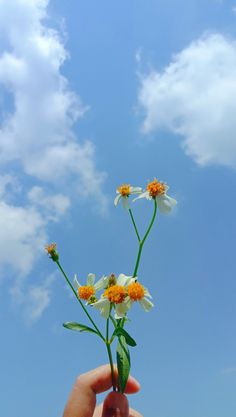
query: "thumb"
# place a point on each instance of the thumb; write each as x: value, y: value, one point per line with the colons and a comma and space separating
x: 115, y: 405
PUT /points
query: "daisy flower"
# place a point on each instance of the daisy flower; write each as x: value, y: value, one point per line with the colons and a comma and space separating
x: 157, y: 190
x: 114, y: 295
x: 137, y: 292
x: 87, y: 292
x: 123, y: 193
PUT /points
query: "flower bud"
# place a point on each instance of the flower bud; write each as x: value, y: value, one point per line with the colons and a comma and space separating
x: 51, y: 250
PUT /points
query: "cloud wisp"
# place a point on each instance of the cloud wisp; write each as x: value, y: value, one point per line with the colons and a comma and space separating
x: 38, y: 145
x: 194, y: 97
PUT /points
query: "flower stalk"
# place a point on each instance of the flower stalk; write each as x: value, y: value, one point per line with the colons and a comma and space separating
x: 83, y: 307
x: 141, y: 242
x: 118, y: 293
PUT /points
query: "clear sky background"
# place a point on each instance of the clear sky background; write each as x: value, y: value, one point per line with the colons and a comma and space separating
x: 94, y: 94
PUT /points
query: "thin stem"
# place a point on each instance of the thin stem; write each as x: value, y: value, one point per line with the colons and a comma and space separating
x: 138, y: 259
x: 112, y: 366
x: 108, y: 344
x: 113, y: 321
x: 141, y: 243
x: 107, y: 330
x: 83, y: 307
x: 152, y: 221
x: 134, y: 224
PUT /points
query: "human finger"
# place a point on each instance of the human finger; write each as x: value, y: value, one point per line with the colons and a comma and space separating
x: 132, y: 412
x: 115, y: 405
x: 82, y: 400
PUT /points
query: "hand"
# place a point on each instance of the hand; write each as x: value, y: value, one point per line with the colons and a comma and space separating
x: 82, y: 401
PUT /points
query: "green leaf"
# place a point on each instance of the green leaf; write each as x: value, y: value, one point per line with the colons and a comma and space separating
x: 119, y: 331
x: 78, y: 327
x: 123, y: 363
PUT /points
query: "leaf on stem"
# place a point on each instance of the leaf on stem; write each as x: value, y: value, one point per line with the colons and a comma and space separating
x: 119, y: 331
x: 78, y: 327
x: 123, y: 363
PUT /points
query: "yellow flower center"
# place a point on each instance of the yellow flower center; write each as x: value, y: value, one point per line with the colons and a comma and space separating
x: 124, y: 190
x: 156, y: 188
x: 135, y: 291
x: 115, y: 294
x: 51, y: 248
x: 86, y: 291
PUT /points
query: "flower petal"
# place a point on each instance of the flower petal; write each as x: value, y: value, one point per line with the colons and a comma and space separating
x: 104, y: 306
x: 105, y: 312
x: 147, y: 293
x: 146, y: 304
x: 135, y: 190
x: 76, y: 282
x: 121, y: 309
x: 100, y: 303
x: 123, y: 280
x: 165, y: 203
x: 117, y: 199
x: 125, y: 202
x: 91, y: 279
x: 145, y: 194
x: 101, y: 283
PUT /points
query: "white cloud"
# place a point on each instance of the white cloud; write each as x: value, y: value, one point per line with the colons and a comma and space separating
x: 49, y: 167
x: 34, y: 300
x: 194, y: 97
x: 8, y: 185
x: 39, y: 299
x: 39, y: 132
x: 55, y: 205
x: 23, y: 237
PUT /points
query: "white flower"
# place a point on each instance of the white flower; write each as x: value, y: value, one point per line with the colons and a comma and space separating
x: 157, y: 190
x: 124, y: 191
x: 137, y: 292
x: 89, y: 290
x: 114, y: 295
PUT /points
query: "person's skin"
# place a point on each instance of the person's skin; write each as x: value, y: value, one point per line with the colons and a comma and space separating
x: 82, y: 400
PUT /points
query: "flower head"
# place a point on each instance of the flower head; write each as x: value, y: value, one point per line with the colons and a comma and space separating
x: 157, y: 190
x: 51, y: 250
x: 137, y: 292
x: 123, y: 193
x: 87, y: 292
x: 114, y: 295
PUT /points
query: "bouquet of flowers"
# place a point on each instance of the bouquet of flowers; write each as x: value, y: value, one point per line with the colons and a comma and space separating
x: 114, y: 296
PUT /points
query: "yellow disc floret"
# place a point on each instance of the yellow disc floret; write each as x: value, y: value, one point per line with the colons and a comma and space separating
x: 115, y: 294
x: 135, y: 291
x: 86, y: 291
x: 50, y: 248
x: 124, y: 190
x: 156, y: 188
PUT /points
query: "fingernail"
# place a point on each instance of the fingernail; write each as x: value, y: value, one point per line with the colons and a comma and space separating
x: 116, y: 405
x: 114, y: 412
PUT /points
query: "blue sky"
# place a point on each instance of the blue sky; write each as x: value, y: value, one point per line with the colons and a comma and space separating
x: 93, y: 95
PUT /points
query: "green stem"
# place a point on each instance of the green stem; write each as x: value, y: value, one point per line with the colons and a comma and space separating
x: 138, y: 259
x: 112, y: 366
x: 83, y: 307
x: 108, y: 345
x: 113, y: 321
x: 134, y: 224
x: 107, y: 330
x: 141, y: 243
x: 152, y: 221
